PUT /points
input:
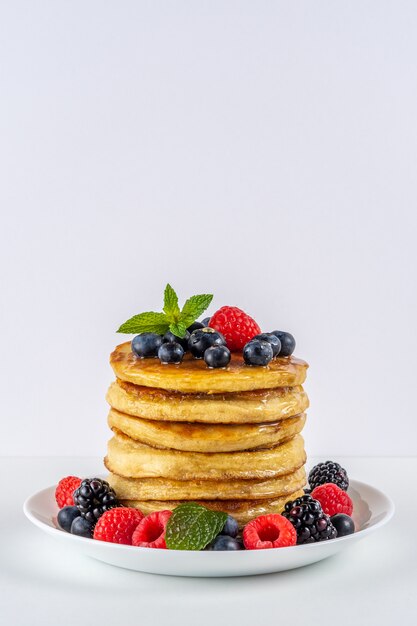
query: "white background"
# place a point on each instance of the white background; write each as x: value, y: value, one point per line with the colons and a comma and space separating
x: 262, y: 151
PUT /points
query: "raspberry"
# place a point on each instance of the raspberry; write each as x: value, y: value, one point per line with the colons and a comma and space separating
x: 237, y: 327
x: 150, y: 533
x: 333, y: 500
x: 269, y: 531
x: 64, y: 490
x: 117, y: 525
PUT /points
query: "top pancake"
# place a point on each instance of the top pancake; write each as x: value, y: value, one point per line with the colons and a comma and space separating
x: 193, y: 375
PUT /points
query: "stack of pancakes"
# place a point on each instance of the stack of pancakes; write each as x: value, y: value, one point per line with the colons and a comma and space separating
x: 228, y: 438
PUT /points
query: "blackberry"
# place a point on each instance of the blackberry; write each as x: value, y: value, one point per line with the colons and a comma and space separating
x: 93, y: 498
x: 309, y: 520
x: 328, y: 472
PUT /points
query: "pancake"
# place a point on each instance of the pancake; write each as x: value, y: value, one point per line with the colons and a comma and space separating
x: 193, y: 375
x: 166, y: 489
x: 243, y: 510
x: 264, y: 405
x: 194, y: 437
x: 131, y: 459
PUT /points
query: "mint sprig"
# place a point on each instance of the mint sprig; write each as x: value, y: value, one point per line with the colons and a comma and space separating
x: 172, y: 318
x: 193, y: 526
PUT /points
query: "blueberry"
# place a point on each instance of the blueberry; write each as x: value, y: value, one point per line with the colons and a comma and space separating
x: 66, y: 516
x: 171, y: 353
x: 82, y: 527
x: 204, y: 338
x: 195, y: 326
x: 224, y: 542
x: 217, y: 356
x: 343, y: 524
x: 146, y: 345
x: 257, y: 352
x: 231, y: 527
x: 287, y: 342
x: 272, y: 339
x: 206, y: 321
x: 171, y: 338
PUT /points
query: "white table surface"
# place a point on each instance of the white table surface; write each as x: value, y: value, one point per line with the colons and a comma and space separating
x: 43, y: 582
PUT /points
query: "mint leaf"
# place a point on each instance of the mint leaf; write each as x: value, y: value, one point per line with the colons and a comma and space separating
x: 171, y: 308
x: 192, y: 527
x: 149, y: 322
x: 194, y: 307
x: 179, y: 329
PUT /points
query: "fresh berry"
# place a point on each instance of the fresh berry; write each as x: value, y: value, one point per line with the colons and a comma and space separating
x: 146, y: 345
x: 287, y: 342
x: 204, y: 338
x: 333, y: 500
x: 307, y: 491
x: 171, y: 338
x: 309, y: 520
x: 206, y: 321
x: 66, y: 516
x: 150, y: 532
x: 237, y: 327
x: 231, y: 527
x: 224, y: 542
x: 269, y: 531
x: 82, y: 527
x: 196, y: 326
x: 343, y: 524
x: 94, y: 497
x: 217, y: 356
x: 257, y: 352
x: 328, y: 472
x: 171, y: 353
x: 65, y: 489
x: 272, y: 339
x: 118, y: 525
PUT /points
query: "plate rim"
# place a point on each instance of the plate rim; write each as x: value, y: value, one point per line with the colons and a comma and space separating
x: 356, y: 484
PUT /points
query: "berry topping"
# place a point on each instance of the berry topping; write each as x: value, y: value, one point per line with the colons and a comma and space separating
x: 257, y: 352
x: 231, y: 527
x: 237, y: 327
x: 66, y: 516
x: 343, y: 524
x: 217, y: 356
x: 287, y: 342
x: 204, y: 338
x: 118, y: 525
x: 309, y: 520
x: 272, y: 339
x: 146, y: 345
x: 224, y: 542
x: 196, y: 326
x: 171, y: 353
x: 150, y: 532
x: 65, y: 489
x: 82, y: 527
x: 333, y: 500
x: 206, y: 321
x: 171, y: 338
x: 94, y: 497
x: 328, y: 472
x: 269, y: 531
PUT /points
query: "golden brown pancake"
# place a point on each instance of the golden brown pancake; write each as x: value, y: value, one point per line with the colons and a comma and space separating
x: 132, y: 459
x: 193, y: 375
x: 167, y: 489
x: 195, y: 437
x: 242, y: 510
x: 261, y: 405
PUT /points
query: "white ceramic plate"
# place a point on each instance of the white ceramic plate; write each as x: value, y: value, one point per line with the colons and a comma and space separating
x: 372, y: 509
